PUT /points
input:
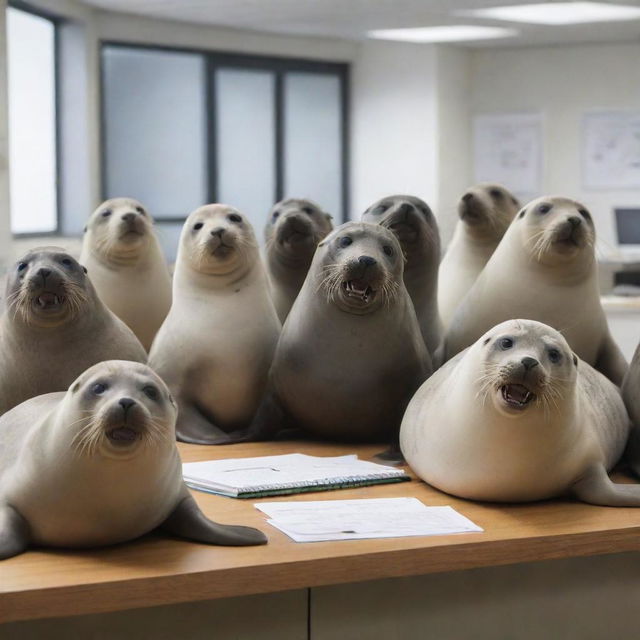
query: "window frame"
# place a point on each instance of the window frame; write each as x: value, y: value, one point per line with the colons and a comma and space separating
x: 56, y: 22
x: 215, y: 59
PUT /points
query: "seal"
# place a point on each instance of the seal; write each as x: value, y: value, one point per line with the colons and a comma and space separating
x: 55, y: 327
x: 294, y: 228
x: 631, y: 397
x: 486, y: 211
x: 350, y: 355
x: 518, y: 417
x: 415, y: 226
x: 98, y: 465
x: 544, y: 269
x: 127, y: 267
x: 216, y: 345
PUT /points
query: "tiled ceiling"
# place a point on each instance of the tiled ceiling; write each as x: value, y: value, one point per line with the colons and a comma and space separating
x: 351, y: 19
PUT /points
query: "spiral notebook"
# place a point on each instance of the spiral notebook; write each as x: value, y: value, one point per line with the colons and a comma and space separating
x: 286, y: 474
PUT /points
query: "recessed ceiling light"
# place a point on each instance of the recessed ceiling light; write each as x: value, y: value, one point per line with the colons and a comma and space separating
x: 452, y: 33
x: 558, y: 13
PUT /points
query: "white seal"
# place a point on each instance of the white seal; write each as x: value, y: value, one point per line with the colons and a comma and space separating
x: 485, y: 211
x: 544, y: 269
x: 216, y: 345
x: 98, y: 465
x: 126, y: 265
x: 518, y: 417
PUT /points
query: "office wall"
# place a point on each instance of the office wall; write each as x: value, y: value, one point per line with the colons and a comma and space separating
x: 5, y: 227
x: 563, y: 83
x: 394, y: 113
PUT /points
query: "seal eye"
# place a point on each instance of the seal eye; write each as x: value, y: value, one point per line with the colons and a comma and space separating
x: 554, y: 355
x: 379, y: 210
x: 521, y: 214
x: 388, y: 250
x: 22, y: 266
x: 67, y: 262
x: 99, y: 388
x: 585, y: 214
x: 495, y: 193
x: 198, y: 225
x: 276, y: 215
x: 345, y: 241
x: 308, y: 210
x: 234, y: 217
x: 151, y: 392
x: 544, y: 208
x: 106, y: 213
x: 140, y: 210
x: 506, y: 343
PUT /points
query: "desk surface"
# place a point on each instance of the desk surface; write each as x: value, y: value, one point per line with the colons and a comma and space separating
x: 156, y: 570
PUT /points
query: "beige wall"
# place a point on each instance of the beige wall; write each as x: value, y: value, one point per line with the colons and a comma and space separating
x: 562, y: 83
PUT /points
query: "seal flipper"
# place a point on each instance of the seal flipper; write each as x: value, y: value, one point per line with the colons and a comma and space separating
x: 187, y: 521
x: 595, y: 487
x: 194, y: 427
x: 14, y: 532
x: 610, y: 361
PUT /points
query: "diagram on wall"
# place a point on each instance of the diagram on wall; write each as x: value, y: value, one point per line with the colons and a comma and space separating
x: 508, y: 150
x: 611, y: 150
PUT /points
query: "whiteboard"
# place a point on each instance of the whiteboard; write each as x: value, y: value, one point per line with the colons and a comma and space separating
x: 611, y: 150
x: 508, y: 150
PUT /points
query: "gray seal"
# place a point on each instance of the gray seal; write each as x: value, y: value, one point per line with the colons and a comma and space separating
x: 98, y: 465
x: 54, y: 327
x: 415, y: 226
x: 350, y: 355
x: 293, y: 230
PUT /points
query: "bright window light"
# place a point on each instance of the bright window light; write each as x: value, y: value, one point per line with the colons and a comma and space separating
x: 452, y: 33
x: 559, y: 13
x: 32, y: 122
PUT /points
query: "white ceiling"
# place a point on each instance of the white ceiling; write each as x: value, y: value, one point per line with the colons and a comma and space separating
x: 351, y: 19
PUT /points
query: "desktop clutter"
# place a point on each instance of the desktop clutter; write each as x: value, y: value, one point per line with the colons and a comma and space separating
x: 513, y: 390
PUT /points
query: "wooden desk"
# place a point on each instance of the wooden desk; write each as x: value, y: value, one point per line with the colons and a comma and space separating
x: 157, y: 571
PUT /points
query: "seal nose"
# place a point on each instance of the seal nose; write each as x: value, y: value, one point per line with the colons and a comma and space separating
x: 367, y: 261
x: 44, y: 272
x: 217, y: 232
x: 405, y: 209
x: 575, y: 221
x: 126, y: 403
x: 128, y: 217
x: 529, y: 363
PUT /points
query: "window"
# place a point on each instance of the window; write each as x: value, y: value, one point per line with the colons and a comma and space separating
x: 31, y: 51
x: 183, y: 128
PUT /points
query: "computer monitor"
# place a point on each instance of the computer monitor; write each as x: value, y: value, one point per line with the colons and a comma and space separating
x: 627, y: 221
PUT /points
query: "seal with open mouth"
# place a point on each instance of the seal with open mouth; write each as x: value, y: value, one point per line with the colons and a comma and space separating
x: 294, y: 228
x: 127, y: 267
x: 485, y: 211
x: 351, y: 353
x: 415, y: 226
x: 544, y: 269
x: 98, y: 465
x: 518, y: 417
x: 54, y: 327
x: 216, y: 345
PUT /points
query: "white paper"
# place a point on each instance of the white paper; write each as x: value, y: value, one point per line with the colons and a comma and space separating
x: 611, y: 150
x: 291, y: 470
x: 325, y: 520
x: 508, y: 150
